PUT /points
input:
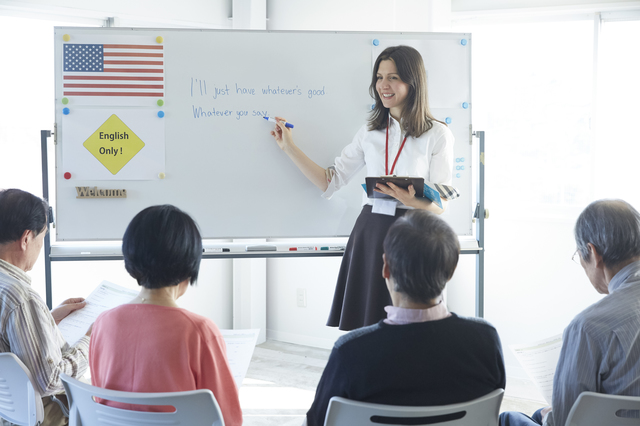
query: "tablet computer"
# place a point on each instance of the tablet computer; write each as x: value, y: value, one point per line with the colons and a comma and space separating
x: 401, y: 181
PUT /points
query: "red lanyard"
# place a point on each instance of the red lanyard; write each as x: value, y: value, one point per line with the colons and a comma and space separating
x: 386, y: 154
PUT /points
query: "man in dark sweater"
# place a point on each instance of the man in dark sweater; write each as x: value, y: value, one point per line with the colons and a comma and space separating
x: 421, y: 355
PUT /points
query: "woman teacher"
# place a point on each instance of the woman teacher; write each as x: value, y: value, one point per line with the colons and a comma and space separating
x: 400, y: 138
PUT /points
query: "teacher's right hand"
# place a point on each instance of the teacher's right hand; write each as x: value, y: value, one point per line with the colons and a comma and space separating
x: 282, y: 134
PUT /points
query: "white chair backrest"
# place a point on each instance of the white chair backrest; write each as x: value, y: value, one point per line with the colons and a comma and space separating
x: 193, y: 408
x: 597, y: 409
x: 20, y: 402
x: 479, y: 412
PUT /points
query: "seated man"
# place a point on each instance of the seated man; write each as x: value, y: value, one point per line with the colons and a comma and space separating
x: 601, y: 346
x: 27, y: 328
x: 421, y: 354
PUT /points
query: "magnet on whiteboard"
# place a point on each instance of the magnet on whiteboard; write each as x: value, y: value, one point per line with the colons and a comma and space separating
x: 65, y: 101
x: 447, y: 120
x: 160, y: 102
x: 457, y: 175
x: 159, y: 40
x: 160, y: 114
x: 373, y: 106
x: 67, y: 175
x: 463, y: 42
x: 65, y: 111
x: 161, y: 175
x: 376, y: 42
x: 66, y: 37
x: 465, y: 105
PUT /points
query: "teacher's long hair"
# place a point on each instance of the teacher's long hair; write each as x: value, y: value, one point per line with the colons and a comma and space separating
x: 416, y: 116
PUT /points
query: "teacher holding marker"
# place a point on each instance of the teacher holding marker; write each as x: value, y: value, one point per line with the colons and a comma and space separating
x: 400, y: 138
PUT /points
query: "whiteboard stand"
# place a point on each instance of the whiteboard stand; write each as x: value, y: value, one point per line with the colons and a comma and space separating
x: 257, y: 289
x: 480, y: 215
x: 44, y: 135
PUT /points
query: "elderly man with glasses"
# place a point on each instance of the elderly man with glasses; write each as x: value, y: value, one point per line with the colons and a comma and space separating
x: 601, y: 346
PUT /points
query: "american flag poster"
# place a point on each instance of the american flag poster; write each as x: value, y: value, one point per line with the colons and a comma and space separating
x: 110, y: 104
x: 113, y: 70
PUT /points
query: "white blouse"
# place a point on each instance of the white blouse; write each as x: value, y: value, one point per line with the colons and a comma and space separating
x: 429, y: 156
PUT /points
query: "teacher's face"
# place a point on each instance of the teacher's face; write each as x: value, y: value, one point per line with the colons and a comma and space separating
x: 391, y: 89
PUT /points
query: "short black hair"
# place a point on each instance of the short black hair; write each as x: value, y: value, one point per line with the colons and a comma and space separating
x: 162, y: 247
x: 613, y: 227
x: 422, y: 253
x: 21, y: 211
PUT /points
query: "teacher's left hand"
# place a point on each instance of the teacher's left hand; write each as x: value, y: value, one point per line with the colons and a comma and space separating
x: 405, y: 196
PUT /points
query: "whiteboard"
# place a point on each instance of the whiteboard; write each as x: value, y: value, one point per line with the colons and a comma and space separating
x: 225, y: 169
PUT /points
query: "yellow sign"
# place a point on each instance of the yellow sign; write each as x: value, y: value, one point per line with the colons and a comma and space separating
x: 114, y: 144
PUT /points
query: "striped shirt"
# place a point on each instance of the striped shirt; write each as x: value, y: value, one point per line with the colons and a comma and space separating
x: 28, y: 330
x: 601, y: 347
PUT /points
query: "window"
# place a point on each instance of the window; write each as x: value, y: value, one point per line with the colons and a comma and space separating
x: 618, y: 113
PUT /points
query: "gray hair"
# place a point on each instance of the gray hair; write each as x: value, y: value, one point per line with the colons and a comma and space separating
x: 613, y: 227
x: 422, y: 253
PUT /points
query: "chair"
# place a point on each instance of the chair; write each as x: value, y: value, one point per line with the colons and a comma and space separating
x: 20, y: 402
x: 193, y: 408
x: 479, y: 412
x: 597, y: 409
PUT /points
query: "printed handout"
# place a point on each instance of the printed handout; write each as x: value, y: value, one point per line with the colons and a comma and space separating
x: 539, y: 360
x: 106, y: 296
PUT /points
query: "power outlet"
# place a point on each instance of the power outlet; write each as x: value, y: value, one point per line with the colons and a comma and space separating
x: 301, y: 298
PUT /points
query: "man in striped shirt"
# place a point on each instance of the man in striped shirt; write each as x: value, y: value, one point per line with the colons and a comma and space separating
x: 27, y: 327
x: 601, y: 346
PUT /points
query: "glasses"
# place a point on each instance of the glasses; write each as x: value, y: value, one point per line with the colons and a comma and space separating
x: 576, y: 257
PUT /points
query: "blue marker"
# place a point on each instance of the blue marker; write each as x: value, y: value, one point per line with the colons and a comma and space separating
x: 273, y: 120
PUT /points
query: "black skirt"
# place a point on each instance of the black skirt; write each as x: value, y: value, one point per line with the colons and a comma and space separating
x: 361, y: 292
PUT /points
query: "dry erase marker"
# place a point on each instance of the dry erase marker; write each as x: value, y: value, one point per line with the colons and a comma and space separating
x: 273, y: 120
x: 215, y: 250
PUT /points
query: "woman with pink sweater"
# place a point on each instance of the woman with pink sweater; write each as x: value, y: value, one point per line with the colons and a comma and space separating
x: 151, y: 344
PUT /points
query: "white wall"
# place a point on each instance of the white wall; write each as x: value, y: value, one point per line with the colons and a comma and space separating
x: 359, y: 15
x: 159, y: 13
x: 488, y: 5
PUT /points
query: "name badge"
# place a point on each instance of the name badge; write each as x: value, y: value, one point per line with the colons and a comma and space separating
x: 382, y: 206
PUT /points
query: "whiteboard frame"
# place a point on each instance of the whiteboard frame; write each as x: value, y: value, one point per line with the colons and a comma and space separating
x: 457, y: 204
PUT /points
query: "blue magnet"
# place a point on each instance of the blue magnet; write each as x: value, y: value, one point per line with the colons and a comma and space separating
x: 447, y: 120
x: 65, y: 111
x: 462, y: 159
x: 160, y: 114
x: 463, y: 42
x: 457, y: 175
x: 376, y: 42
x: 373, y: 106
x: 465, y: 105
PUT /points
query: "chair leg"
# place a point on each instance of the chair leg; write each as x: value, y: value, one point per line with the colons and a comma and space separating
x: 62, y: 405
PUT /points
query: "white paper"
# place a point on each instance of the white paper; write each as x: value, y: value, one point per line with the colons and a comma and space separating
x: 82, y: 123
x: 106, y: 296
x: 382, y: 206
x: 539, y: 360
x: 240, y: 346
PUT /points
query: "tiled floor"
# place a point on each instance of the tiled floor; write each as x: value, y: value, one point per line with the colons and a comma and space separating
x: 281, y: 382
